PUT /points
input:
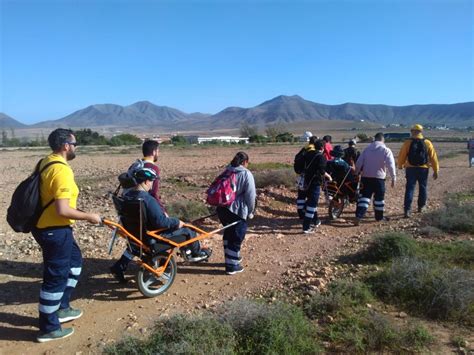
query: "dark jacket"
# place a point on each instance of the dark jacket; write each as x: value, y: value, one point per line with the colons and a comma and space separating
x: 155, y: 216
x: 351, y: 155
x: 315, y: 163
x: 338, y: 169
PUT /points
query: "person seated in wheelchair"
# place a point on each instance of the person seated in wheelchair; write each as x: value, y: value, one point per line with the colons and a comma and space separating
x: 341, y: 172
x: 153, y: 218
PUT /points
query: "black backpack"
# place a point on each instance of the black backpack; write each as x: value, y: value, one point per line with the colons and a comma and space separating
x: 417, y: 154
x: 298, y: 164
x: 25, y: 209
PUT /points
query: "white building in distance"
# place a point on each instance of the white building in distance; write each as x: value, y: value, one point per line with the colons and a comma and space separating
x: 227, y: 139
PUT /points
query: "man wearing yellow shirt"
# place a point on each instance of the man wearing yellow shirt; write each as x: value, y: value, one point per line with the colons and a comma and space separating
x: 417, y: 155
x: 61, y: 255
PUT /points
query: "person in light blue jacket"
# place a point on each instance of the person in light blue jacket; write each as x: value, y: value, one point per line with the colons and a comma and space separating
x: 241, y: 209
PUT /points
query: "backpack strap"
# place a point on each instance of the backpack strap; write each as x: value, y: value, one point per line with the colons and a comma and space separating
x: 40, y: 172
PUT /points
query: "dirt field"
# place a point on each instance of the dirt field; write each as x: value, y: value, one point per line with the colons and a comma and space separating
x: 275, y: 243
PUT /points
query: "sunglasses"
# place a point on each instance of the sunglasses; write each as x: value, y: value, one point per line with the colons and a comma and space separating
x: 72, y: 143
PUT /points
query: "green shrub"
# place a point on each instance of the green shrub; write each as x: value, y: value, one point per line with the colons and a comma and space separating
x: 427, y: 288
x: 431, y: 232
x: 187, y: 210
x: 127, y: 346
x: 387, y: 246
x: 181, y: 334
x: 371, y: 331
x: 458, y: 253
x: 281, y: 177
x: 416, y: 337
x: 270, y: 328
x: 455, y: 217
x: 339, y: 295
x: 124, y: 139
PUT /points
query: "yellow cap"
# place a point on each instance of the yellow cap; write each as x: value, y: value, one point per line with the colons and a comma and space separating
x: 417, y: 127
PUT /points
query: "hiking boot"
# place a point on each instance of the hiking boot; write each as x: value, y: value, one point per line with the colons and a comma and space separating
x: 384, y: 219
x: 356, y: 221
x: 317, y: 223
x: 308, y: 231
x: 422, y: 209
x: 201, y: 255
x: 118, y: 274
x: 407, y: 214
x: 55, y: 335
x: 68, y: 314
x: 236, y: 270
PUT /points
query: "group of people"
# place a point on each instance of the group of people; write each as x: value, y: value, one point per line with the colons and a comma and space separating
x: 325, y: 163
x: 58, y: 191
x: 62, y: 260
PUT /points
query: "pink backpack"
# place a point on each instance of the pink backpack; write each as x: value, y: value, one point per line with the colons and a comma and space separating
x: 222, y: 190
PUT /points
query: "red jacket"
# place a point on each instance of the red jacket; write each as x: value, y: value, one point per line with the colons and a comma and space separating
x: 327, y: 151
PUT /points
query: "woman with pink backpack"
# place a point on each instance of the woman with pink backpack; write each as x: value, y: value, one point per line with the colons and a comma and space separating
x: 239, y: 208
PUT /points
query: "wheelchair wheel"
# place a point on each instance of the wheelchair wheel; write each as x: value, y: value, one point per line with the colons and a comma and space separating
x: 336, y: 206
x: 151, y: 285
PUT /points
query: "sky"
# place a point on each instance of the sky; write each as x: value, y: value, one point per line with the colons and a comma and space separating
x: 60, y: 56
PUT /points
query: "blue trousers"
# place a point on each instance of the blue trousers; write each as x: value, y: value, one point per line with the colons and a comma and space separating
x: 307, y: 204
x: 414, y: 175
x: 62, y: 262
x: 233, y: 237
x: 371, y: 186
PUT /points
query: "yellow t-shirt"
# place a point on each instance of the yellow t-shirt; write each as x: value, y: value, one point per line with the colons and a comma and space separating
x: 57, y: 182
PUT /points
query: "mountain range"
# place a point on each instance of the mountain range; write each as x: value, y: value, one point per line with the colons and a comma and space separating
x: 286, y: 109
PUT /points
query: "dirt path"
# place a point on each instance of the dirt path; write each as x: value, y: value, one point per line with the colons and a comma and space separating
x: 274, y: 245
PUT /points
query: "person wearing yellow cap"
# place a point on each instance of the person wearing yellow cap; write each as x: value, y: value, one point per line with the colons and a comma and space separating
x: 417, y: 155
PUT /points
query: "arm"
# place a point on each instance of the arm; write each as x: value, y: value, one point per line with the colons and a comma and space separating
x: 250, y: 192
x: 433, y: 158
x: 402, y: 155
x: 157, y: 218
x: 64, y: 210
x: 360, y: 163
x: 63, y: 186
x: 390, y: 164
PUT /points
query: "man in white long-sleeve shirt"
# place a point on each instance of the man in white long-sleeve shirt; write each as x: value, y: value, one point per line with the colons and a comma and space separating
x: 373, y: 164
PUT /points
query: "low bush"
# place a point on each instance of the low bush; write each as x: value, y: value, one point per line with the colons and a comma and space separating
x: 270, y: 328
x: 454, y: 217
x: 387, y: 246
x: 339, y: 295
x: 371, y: 331
x: 280, y: 177
x: 182, y: 334
x: 458, y: 253
x: 427, y: 288
x: 431, y: 232
x: 187, y: 210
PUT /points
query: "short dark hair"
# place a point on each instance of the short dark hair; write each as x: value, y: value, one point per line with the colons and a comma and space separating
x: 149, y: 146
x: 312, y: 139
x: 319, y: 144
x: 58, y: 137
x: 379, y: 136
x: 239, y: 158
x: 327, y: 139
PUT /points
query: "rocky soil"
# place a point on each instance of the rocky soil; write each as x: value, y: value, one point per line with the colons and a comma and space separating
x: 275, y: 251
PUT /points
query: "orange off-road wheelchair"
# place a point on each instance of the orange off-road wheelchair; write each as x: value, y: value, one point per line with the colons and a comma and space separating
x: 341, y: 194
x: 155, y: 253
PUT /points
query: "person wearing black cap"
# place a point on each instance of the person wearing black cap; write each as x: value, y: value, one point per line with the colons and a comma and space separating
x: 155, y: 219
x: 337, y: 167
x: 351, y: 154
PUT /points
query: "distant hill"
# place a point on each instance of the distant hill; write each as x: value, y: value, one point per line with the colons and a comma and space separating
x: 142, y: 113
x: 285, y: 109
x: 295, y: 108
x: 6, y: 122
